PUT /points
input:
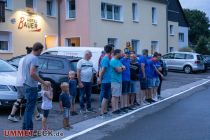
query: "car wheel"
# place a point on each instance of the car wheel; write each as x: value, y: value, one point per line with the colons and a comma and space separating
x: 188, y: 69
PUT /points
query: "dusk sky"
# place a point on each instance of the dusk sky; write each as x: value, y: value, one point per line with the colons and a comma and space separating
x: 203, y: 5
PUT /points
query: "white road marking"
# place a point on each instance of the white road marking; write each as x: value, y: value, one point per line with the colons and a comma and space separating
x: 130, y: 113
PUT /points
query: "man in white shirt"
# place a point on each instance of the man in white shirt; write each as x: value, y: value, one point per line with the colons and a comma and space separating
x: 85, y: 72
x: 20, y: 92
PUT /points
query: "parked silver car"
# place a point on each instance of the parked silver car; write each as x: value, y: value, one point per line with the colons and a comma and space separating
x: 186, y: 61
x: 8, y: 91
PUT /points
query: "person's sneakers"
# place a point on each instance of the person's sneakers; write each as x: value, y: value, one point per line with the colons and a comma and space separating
x: 39, y: 117
x: 105, y: 115
x: 12, y: 118
x: 82, y: 111
x: 146, y: 102
x: 137, y: 104
x: 152, y: 101
x: 124, y: 110
x: 117, y: 112
x: 131, y: 108
x: 73, y: 113
x: 160, y: 97
x: 89, y: 110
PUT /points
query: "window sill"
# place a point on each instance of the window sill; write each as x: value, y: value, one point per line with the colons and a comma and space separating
x: 6, y: 52
x: 70, y: 19
x: 172, y: 34
x: 8, y: 9
x: 120, y: 21
x: 155, y: 24
x: 49, y: 16
x: 136, y: 21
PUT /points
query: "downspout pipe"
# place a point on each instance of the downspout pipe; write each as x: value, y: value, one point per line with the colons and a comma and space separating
x: 167, y: 26
x: 59, y: 22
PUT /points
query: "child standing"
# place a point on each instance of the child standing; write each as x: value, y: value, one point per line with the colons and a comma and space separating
x: 73, y: 91
x: 65, y: 104
x: 47, y: 97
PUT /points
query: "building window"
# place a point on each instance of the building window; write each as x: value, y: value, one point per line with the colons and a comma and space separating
x: 8, y: 4
x: 2, y: 11
x: 111, y: 12
x: 71, y: 9
x: 113, y: 41
x: 181, y: 37
x: 51, y: 7
x: 154, y: 47
x: 171, y: 28
x: 135, y: 45
x: 31, y: 4
x: 135, y: 12
x: 5, y: 41
x: 72, y: 42
x: 154, y: 15
x: 171, y: 49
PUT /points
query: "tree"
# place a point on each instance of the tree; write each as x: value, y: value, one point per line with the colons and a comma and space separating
x: 199, y: 25
x: 201, y: 47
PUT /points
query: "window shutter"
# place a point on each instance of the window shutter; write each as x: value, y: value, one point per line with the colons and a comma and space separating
x: 2, y: 11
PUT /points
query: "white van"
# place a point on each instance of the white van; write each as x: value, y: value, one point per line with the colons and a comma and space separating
x: 77, y: 52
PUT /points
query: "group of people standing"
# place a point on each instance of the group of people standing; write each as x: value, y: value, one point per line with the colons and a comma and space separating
x: 128, y: 80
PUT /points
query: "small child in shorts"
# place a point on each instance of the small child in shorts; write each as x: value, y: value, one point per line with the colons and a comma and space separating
x: 73, y: 91
x: 47, y: 96
x: 65, y: 104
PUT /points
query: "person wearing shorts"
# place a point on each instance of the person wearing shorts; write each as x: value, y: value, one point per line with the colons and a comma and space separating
x: 116, y: 80
x: 47, y: 96
x: 150, y: 80
x: 134, y: 83
x: 143, y: 74
x: 73, y: 91
x: 156, y: 74
x: 65, y: 104
x: 125, y: 82
x: 105, y: 79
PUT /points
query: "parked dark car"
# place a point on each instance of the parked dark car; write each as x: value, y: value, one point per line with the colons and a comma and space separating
x: 206, y: 61
x: 55, y: 69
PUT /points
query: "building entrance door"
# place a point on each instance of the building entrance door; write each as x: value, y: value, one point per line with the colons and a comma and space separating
x: 50, y: 41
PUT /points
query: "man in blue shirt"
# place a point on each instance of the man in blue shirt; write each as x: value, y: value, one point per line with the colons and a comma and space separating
x: 143, y: 73
x: 105, y: 78
x: 150, y: 80
x: 116, y: 80
x: 156, y: 74
x: 125, y: 82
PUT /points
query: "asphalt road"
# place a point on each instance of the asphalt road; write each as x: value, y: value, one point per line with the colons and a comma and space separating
x: 188, y: 119
x: 173, y: 80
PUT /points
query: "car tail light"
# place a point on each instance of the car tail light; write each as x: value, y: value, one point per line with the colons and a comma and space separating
x: 197, y: 62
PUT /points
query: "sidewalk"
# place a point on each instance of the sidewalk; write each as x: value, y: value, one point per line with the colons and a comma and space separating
x: 173, y: 84
x: 90, y: 124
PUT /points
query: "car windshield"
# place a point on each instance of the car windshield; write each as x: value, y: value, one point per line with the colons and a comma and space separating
x: 207, y: 58
x: 73, y: 65
x: 5, y: 67
x: 199, y: 57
